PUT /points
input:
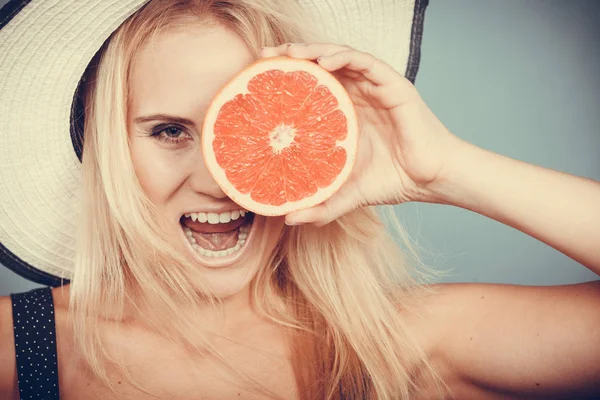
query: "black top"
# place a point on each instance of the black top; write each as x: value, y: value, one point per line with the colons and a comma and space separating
x: 35, y: 344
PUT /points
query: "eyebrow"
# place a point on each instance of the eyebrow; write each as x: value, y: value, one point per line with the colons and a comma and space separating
x: 163, y: 117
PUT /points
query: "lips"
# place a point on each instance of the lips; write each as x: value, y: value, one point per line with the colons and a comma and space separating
x: 217, y: 239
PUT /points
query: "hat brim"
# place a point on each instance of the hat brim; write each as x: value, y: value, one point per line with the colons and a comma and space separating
x: 45, y: 48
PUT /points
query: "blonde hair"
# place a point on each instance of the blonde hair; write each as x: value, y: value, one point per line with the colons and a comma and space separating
x: 340, y: 287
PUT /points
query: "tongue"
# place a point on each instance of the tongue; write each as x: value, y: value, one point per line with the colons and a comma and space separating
x: 214, y: 236
x: 216, y: 241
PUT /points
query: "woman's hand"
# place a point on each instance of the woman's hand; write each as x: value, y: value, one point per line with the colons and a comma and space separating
x: 402, y: 145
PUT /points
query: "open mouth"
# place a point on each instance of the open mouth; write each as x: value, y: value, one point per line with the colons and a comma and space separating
x: 217, y: 235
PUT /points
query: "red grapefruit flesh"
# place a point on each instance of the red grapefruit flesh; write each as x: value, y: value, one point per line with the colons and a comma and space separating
x: 281, y: 136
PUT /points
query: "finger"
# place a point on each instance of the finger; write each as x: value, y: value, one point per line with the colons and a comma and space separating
x: 312, y: 51
x: 308, y: 51
x: 342, y: 202
x: 372, y: 68
x: 275, y: 51
x: 349, y: 74
x: 318, y: 215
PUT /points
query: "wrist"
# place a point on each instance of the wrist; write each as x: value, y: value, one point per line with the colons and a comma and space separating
x: 459, y: 156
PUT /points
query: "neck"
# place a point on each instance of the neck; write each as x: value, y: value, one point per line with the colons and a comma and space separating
x: 224, y: 310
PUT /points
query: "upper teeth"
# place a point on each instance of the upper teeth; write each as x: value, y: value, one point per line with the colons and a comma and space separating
x: 214, y: 218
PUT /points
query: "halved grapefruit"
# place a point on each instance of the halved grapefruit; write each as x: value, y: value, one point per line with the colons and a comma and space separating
x: 281, y: 136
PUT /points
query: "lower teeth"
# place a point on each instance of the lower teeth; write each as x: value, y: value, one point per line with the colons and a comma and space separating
x: 242, y: 236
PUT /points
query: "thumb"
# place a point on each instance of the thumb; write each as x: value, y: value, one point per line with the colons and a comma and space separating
x: 341, y: 202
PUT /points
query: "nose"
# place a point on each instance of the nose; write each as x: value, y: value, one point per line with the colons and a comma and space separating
x: 202, y: 181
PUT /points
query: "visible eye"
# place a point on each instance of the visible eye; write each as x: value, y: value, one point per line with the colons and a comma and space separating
x: 170, y: 133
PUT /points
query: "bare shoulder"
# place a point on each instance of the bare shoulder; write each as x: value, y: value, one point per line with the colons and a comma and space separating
x: 61, y: 298
x: 8, y: 369
x: 515, y: 341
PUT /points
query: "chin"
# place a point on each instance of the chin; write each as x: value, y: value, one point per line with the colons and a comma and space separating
x: 223, y: 283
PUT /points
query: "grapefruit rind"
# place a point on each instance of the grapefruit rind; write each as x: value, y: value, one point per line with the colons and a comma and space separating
x: 239, y: 85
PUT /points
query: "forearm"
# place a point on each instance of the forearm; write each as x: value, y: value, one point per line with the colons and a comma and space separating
x: 559, y: 209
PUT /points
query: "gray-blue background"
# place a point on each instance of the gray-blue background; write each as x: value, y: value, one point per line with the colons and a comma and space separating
x: 518, y: 77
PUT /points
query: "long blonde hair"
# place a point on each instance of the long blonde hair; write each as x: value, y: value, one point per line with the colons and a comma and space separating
x: 342, y: 285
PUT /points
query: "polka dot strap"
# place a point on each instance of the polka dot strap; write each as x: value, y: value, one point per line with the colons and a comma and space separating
x: 35, y: 344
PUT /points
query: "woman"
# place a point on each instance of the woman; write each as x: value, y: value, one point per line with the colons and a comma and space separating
x: 317, y: 304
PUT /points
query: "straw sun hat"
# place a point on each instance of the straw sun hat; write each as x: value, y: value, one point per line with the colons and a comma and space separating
x: 46, y: 45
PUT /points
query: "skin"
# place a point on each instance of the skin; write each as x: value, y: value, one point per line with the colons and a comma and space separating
x: 170, y: 166
x: 487, y: 341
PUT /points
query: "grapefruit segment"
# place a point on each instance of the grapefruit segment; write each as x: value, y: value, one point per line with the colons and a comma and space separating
x: 299, y: 182
x: 245, y: 173
x: 234, y: 119
x: 333, y: 124
x: 319, y: 103
x: 267, y: 89
x: 281, y: 136
x: 315, y: 141
x: 325, y: 166
x: 299, y: 85
x: 227, y: 149
x: 270, y: 187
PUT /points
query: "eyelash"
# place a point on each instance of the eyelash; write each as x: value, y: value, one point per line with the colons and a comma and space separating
x: 158, y: 133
